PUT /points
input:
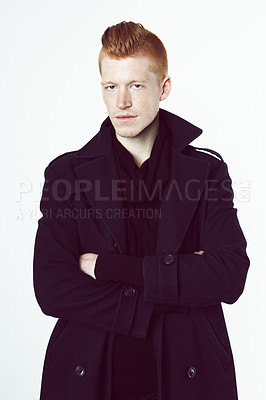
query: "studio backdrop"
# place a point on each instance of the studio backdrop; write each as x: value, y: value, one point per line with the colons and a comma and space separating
x: 51, y: 103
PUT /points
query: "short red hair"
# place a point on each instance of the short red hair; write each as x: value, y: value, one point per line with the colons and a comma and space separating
x: 129, y: 39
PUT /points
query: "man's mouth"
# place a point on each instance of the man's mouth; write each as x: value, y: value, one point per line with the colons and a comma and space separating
x: 125, y: 117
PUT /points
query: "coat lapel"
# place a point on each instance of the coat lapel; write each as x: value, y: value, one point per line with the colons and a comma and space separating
x: 100, y: 175
x: 185, y: 185
x: 180, y: 200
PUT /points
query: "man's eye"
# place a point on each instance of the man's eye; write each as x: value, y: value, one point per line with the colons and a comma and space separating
x: 110, y: 87
x: 137, y: 86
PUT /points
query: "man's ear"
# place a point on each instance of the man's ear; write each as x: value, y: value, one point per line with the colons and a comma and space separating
x: 166, y: 88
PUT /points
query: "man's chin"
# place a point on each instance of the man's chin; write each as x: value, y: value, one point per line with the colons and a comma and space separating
x: 127, y: 134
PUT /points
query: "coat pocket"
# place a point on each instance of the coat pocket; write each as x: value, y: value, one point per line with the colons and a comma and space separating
x: 213, y: 338
x: 62, y: 342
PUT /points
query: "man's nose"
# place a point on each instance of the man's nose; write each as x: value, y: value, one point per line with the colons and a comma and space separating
x: 123, y: 99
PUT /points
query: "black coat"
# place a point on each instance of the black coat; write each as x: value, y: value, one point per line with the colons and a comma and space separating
x: 191, y: 345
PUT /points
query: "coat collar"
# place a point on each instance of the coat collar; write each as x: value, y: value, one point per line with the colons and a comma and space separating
x: 182, y: 133
x: 99, y: 167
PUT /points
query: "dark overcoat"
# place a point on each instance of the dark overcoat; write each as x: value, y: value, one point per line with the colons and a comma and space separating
x: 80, y: 205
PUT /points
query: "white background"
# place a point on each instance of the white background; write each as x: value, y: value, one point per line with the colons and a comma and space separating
x: 51, y: 103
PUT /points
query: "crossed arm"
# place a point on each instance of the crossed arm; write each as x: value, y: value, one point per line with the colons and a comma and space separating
x: 88, y: 265
x: 64, y: 278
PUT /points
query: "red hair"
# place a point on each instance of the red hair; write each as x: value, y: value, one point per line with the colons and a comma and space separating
x: 129, y: 39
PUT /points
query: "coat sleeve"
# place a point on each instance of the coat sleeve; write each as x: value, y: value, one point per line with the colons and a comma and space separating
x: 128, y: 269
x: 216, y: 276
x: 120, y: 268
x: 62, y: 289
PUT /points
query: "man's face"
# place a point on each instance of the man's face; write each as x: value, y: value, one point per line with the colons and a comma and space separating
x: 131, y: 92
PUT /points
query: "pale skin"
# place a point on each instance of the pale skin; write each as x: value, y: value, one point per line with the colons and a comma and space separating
x: 132, y: 93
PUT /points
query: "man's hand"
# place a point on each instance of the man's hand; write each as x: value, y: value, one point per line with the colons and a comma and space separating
x: 87, y: 263
x: 199, y: 252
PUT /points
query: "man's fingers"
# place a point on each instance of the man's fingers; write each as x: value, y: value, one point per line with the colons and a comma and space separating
x: 87, y: 263
x: 199, y: 252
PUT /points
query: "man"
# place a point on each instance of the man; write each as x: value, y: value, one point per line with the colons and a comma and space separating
x: 138, y: 245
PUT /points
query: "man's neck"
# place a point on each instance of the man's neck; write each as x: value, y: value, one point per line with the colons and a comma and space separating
x: 140, y: 146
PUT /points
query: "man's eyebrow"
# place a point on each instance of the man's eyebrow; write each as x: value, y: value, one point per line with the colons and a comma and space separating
x: 108, y: 83
x: 129, y: 83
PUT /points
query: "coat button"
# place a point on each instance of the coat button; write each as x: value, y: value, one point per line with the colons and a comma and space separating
x: 169, y: 259
x: 130, y: 292
x: 80, y: 371
x: 191, y: 372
